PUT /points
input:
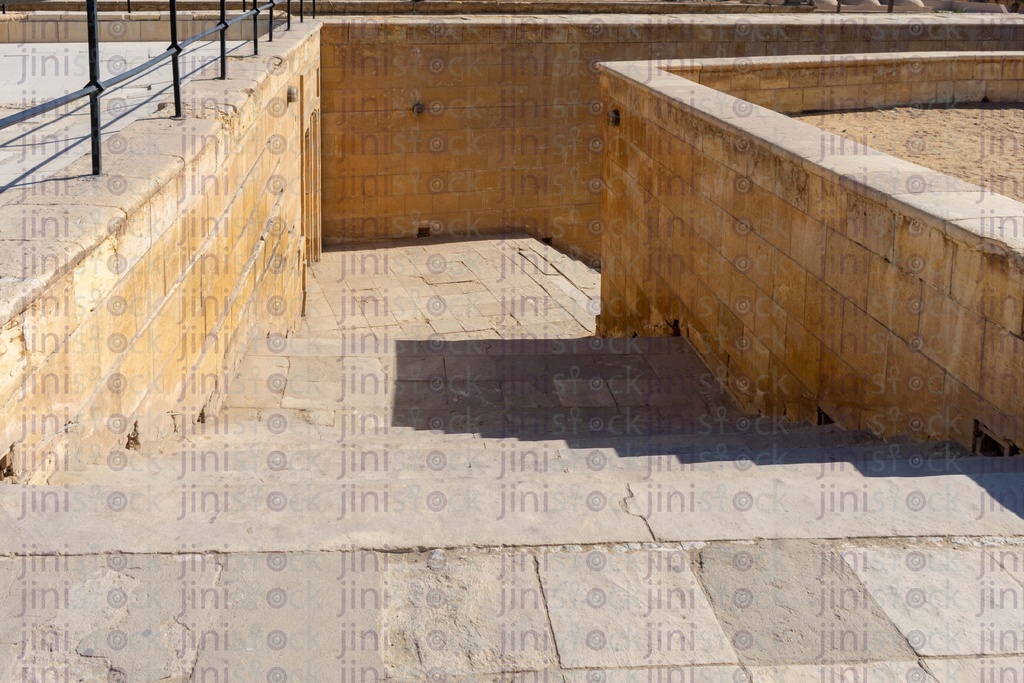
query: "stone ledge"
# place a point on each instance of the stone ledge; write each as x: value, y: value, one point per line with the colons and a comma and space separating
x: 882, y: 177
x: 130, y: 182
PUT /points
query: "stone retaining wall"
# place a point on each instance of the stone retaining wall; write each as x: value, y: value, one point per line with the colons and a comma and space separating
x: 510, y: 135
x: 128, y: 297
x: 793, y: 85
x: 811, y: 273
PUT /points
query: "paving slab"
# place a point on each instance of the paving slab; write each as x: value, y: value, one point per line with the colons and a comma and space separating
x: 630, y: 608
x: 98, y: 617
x: 460, y: 613
x: 984, y: 670
x: 298, y: 617
x: 947, y: 600
x: 780, y: 603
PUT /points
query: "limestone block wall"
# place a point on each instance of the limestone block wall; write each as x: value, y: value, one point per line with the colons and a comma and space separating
x: 792, y: 85
x: 808, y: 272
x: 128, y: 297
x: 510, y: 134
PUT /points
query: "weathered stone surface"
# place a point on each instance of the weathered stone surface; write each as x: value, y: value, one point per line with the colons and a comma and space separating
x: 371, y: 513
x: 455, y: 613
x: 985, y: 669
x: 807, y: 291
x: 300, y: 615
x: 82, y: 617
x: 630, y: 608
x: 947, y: 601
x: 285, y: 487
x: 759, y: 504
x: 795, y: 602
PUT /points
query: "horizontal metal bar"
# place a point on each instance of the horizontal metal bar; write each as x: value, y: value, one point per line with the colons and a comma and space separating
x: 49, y: 105
x: 99, y: 87
x: 155, y: 61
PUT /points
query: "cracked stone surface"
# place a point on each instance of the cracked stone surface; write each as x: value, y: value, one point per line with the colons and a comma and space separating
x: 438, y: 478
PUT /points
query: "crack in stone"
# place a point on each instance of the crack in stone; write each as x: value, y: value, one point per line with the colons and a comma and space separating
x: 547, y: 611
x: 624, y: 504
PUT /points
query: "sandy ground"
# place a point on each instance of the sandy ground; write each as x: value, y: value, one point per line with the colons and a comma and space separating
x: 979, y: 143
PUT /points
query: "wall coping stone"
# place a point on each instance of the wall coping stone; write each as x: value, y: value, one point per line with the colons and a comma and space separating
x: 884, y: 178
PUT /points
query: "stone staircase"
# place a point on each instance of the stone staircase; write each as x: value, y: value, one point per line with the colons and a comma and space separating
x: 422, y: 491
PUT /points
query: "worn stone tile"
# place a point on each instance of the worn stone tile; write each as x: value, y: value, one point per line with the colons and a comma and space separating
x: 302, y: 393
x: 475, y: 396
x: 462, y: 369
x: 87, y: 617
x: 428, y: 395
x: 785, y: 602
x: 673, y: 365
x: 986, y: 669
x: 630, y: 608
x: 453, y: 613
x: 946, y: 601
x: 528, y: 395
x: 276, y: 607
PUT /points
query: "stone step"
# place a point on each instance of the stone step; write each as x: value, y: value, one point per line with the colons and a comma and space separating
x: 205, y: 461
x: 356, y: 343
x: 581, y: 427
x: 269, y: 510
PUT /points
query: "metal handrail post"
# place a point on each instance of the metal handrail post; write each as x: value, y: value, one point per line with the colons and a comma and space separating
x: 175, y: 59
x: 92, y: 18
x: 223, y: 39
x: 270, y: 21
x: 302, y: 11
x: 314, y: 9
x: 255, y: 27
x: 288, y: 27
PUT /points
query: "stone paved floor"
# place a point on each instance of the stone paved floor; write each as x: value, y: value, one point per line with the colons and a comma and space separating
x: 442, y: 477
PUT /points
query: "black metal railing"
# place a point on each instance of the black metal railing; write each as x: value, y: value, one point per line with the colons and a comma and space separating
x: 95, y: 88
